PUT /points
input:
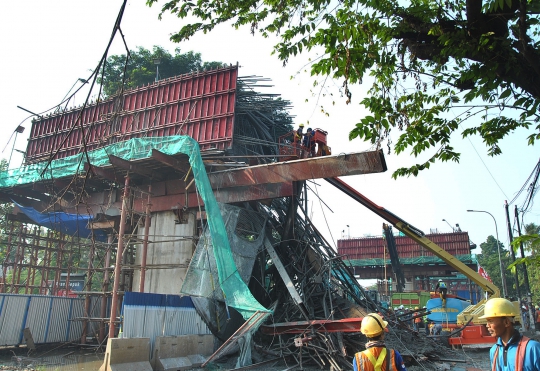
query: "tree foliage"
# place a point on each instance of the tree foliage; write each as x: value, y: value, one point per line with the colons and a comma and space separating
x: 141, y: 69
x: 489, y: 260
x: 434, y: 67
x: 531, y: 261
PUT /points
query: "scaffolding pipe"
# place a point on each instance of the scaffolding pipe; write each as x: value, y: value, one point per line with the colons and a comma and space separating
x: 59, y: 259
x: 90, y: 272
x: 145, y: 240
x: 118, y: 267
x: 16, y: 260
x: 35, y: 257
x: 47, y: 262
x: 8, y: 253
x: 21, y: 259
x: 105, y: 288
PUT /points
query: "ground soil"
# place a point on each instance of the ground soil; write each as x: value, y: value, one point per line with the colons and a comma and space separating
x: 418, y: 351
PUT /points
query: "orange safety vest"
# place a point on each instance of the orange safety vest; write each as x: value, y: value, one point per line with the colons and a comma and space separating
x: 520, y: 355
x: 376, y: 359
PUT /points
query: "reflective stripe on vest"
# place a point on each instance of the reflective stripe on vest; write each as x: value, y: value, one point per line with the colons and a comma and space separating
x: 364, y: 363
x: 520, y: 355
x: 376, y: 362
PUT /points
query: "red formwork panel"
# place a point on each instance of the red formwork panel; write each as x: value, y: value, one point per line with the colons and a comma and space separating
x: 201, y: 105
x: 373, y: 247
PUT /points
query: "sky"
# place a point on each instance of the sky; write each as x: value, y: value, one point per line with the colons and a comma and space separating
x: 48, y: 46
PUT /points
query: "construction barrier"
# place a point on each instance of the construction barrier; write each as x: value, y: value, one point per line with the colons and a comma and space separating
x: 127, y: 355
x: 181, y: 352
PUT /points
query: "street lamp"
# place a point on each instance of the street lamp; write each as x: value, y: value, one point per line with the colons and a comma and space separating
x: 444, y: 220
x: 498, y: 248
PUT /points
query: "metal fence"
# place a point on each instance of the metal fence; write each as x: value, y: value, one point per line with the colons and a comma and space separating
x: 151, y: 315
x: 51, y: 319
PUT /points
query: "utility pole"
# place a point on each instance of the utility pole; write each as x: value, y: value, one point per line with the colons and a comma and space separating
x: 532, y: 320
x: 511, y: 238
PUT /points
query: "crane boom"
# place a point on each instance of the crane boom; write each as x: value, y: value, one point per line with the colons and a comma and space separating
x: 417, y: 235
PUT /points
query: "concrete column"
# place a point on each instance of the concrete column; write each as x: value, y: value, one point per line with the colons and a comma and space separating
x: 145, y: 240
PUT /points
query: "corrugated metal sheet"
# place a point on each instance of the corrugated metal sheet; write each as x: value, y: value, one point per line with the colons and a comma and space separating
x: 152, y: 315
x: 50, y: 318
x: 201, y: 105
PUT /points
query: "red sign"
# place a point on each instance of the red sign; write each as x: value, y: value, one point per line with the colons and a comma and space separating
x: 69, y: 294
x: 483, y: 273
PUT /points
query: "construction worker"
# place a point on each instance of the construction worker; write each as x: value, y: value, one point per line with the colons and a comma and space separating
x: 441, y: 286
x: 525, y: 325
x: 376, y: 357
x: 512, y: 351
x: 417, y: 320
x: 436, y: 329
x: 309, y: 143
x: 426, y: 325
x: 299, y: 133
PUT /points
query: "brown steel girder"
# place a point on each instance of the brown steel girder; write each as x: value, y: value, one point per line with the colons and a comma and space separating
x: 296, y: 170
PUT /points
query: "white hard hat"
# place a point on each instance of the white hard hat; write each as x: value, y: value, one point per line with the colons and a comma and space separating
x: 440, y: 280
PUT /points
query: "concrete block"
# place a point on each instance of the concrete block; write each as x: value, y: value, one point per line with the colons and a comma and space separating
x: 173, y: 364
x: 197, y: 359
x: 183, y: 345
x: 198, y: 344
x: 174, y: 351
x: 127, y: 354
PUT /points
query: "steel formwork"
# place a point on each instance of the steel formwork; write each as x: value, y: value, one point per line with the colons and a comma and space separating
x: 201, y: 105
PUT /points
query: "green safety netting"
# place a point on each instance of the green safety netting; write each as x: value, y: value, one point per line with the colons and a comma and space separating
x: 234, y: 289
x: 466, y: 258
x: 133, y: 149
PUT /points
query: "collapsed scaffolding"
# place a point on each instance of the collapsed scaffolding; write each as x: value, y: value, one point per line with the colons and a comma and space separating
x: 296, y: 272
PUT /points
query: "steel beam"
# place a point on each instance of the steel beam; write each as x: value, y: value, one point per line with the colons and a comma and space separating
x: 182, y: 166
x: 306, y: 327
x: 304, y: 169
x: 228, y: 195
x: 133, y: 167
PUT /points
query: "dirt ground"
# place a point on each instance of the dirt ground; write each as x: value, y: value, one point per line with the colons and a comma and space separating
x: 414, y: 348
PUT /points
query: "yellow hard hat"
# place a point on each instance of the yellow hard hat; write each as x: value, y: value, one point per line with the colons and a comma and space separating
x: 416, y: 308
x: 372, y: 325
x: 499, y: 307
x: 301, y: 125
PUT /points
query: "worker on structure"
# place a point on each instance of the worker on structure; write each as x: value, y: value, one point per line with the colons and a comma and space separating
x: 299, y: 134
x: 309, y: 143
x: 376, y: 357
x: 441, y: 286
x: 512, y: 351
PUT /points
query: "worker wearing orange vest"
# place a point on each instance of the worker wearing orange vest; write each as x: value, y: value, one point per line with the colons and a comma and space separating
x: 513, y: 351
x: 417, y: 320
x: 376, y: 357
